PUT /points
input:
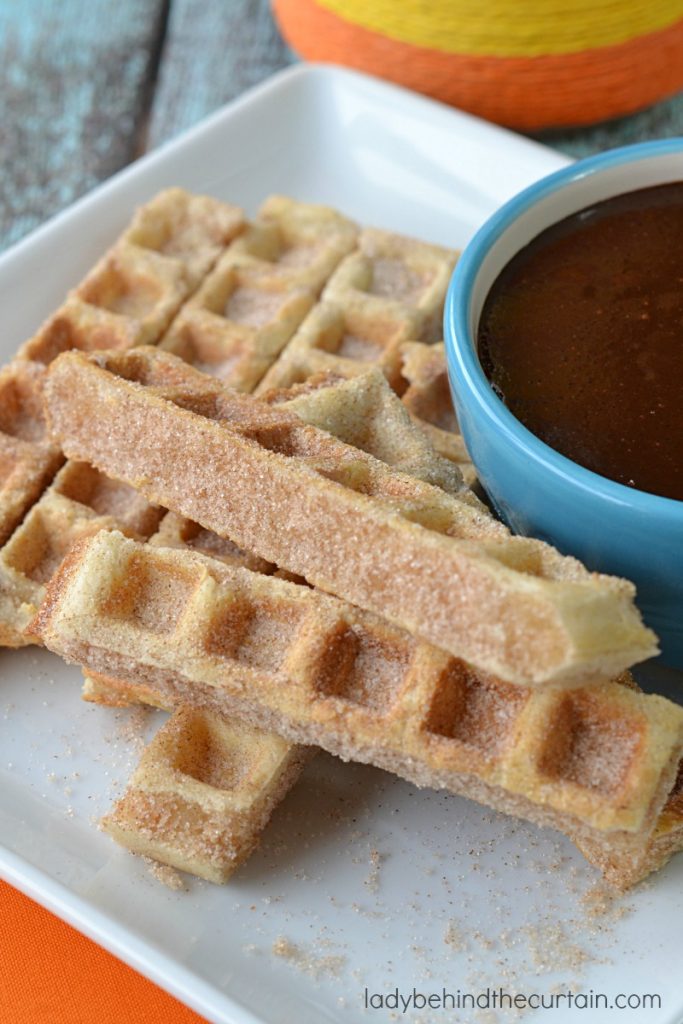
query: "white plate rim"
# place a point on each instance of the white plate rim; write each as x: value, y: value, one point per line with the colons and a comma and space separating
x: 216, y: 1005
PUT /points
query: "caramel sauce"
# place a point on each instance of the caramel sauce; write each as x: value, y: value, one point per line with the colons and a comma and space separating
x: 581, y: 336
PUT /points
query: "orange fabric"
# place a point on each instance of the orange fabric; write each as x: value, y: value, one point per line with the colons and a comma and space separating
x: 51, y: 974
x: 527, y: 93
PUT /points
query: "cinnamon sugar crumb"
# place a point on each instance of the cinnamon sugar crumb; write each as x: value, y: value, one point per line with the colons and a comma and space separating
x: 551, y: 949
x: 454, y: 937
x: 601, y: 901
x: 315, y: 966
x: 131, y: 730
x: 165, y: 874
x: 372, y: 881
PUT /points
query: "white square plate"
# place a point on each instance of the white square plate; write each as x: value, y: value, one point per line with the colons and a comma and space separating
x: 360, y: 872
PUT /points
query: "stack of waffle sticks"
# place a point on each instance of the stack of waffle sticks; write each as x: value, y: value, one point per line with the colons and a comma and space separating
x: 306, y: 566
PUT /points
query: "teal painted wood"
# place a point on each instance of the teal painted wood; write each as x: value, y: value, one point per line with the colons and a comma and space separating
x: 214, y: 50
x: 77, y: 80
x: 73, y: 91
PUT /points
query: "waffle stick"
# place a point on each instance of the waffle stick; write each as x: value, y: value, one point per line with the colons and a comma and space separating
x: 396, y: 277
x: 203, y: 792
x: 80, y: 501
x: 383, y: 297
x: 347, y: 341
x: 127, y: 298
x: 364, y: 412
x: 210, y: 828
x: 667, y: 839
x: 622, y: 868
x: 302, y: 243
x: 423, y: 559
x: 236, y: 324
x: 263, y: 286
x: 192, y: 229
x: 204, y: 789
x: 597, y: 763
x: 28, y: 458
x: 130, y: 297
x: 428, y: 399
x: 389, y: 290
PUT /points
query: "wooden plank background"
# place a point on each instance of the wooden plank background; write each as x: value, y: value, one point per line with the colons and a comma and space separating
x: 88, y: 85
x: 75, y: 84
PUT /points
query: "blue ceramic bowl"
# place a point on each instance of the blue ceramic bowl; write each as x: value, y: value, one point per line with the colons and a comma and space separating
x: 537, y: 491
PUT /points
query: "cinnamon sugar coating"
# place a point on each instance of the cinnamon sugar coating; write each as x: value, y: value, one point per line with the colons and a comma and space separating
x: 362, y: 411
x: 196, y: 830
x: 622, y: 864
x: 346, y: 342
x: 384, y: 296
